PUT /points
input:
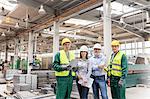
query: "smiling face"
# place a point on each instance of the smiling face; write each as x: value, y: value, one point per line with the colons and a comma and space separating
x: 67, y: 46
x: 83, y: 54
x: 97, y: 51
x: 115, y: 48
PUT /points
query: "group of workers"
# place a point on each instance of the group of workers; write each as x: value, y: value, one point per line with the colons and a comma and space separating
x: 90, y: 68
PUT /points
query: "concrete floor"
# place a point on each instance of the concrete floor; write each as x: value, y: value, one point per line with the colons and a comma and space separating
x: 138, y: 93
x: 131, y: 93
x: 135, y: 93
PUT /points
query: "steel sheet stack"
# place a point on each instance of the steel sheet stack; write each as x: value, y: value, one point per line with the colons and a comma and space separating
x: 25, y: 82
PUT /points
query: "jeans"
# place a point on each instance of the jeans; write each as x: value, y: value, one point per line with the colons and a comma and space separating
x: 99, y: 83
x: 83, y: 91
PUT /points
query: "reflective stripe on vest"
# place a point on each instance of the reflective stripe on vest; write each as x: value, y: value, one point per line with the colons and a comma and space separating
x: 116, y: 69
x: 65, y: 61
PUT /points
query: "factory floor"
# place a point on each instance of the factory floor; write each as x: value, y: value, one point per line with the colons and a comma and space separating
x: 136, y: 93
x: 131, y: 93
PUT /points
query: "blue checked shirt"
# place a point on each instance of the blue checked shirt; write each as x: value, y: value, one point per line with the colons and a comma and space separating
x: 94, y: 62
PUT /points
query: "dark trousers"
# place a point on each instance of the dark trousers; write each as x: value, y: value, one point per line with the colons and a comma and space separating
x: 117, y: 91
x: 99, y: 83
x: 64, y: 87
x: 83, y: 91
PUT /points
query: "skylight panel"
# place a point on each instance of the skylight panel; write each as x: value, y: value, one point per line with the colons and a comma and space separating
x: 7, y: 5
x: 79, y: 21
x: 118, y: 8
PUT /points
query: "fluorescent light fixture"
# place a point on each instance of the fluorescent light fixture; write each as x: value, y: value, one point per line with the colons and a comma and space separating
x: 41, y: 10
x: 79, y: 21
x: 8, y: 5
x: 118, y: 8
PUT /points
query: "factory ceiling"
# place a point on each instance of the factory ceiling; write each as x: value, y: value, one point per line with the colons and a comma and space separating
x: 78, y: 18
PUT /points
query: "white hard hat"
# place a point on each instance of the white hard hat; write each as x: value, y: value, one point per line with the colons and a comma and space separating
x: 98, y: 46
x: 84, y: 48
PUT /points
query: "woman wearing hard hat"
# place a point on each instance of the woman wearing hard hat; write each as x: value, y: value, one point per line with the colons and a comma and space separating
x: 83, y: 73
x: 64, y: 75
x: 97, y: 62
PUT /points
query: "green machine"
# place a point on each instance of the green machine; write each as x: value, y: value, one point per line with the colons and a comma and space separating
x: 139, y: 73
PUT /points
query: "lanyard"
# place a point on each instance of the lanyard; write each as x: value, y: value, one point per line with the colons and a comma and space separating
x: 68, y: 56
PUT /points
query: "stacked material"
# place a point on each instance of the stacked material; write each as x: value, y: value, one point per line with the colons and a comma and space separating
x: 44, y: 77
x: 25, y: 82
x: 21, y: 87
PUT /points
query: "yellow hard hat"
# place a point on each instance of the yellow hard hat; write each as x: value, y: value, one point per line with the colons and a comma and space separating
x: 65, y: 40
x: 115, y: 43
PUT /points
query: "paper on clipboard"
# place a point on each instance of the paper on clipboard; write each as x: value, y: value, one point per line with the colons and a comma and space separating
x: 88, y: 84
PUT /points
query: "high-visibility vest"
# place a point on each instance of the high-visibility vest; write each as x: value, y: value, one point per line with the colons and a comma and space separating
x: 65, y: 61
x: 114, y: 67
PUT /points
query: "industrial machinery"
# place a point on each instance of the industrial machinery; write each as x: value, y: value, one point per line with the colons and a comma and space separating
x: 139, y: 70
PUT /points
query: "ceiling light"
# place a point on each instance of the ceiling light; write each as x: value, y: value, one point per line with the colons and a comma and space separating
x: 99, y: 38
x: 121, y: 20
x: 17, y: 25
x: 3, y: 34
x: 7, y: 20
x: 41, y: 10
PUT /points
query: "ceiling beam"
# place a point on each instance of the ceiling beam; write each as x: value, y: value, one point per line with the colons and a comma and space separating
x: 75, y: 36
x: 143, y: 2
x: 67, y: 14
x: 129, y: 40
x: 72, y: 30
x: 128, y: 28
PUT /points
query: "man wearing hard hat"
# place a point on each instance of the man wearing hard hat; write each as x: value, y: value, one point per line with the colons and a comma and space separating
x: 97, y: 62
x: 117, y: 71
x: 63, y: 73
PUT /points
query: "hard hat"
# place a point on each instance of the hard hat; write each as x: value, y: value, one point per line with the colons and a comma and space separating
x: 115, y: 43
x: 84, y: 48
x: 98, y: 46
x: 65, y: 40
